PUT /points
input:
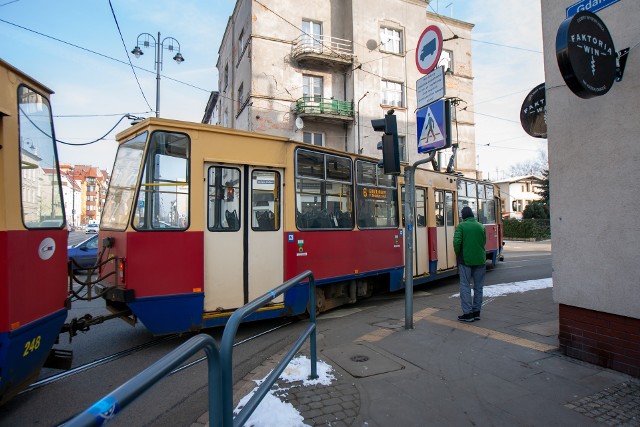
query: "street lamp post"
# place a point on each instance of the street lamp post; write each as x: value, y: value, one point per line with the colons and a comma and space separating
x: 149, y: 41
x: 358, y: 118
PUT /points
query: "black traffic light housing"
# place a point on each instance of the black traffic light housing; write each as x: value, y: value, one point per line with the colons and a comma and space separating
x: 389, y: 144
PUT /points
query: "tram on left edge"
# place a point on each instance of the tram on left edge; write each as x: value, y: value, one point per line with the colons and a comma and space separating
x: 33, y: 233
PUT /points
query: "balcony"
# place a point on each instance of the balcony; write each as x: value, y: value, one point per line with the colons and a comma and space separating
x: 322, y: 51
x: 324, y: 109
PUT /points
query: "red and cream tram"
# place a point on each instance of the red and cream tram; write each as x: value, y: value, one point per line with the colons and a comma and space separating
x: 202, y: 219
x: 33, y: 235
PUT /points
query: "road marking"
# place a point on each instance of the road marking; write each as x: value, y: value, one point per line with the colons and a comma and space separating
x: 428, y: 315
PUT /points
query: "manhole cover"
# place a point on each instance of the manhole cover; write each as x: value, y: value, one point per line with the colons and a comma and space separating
x: 359, y: 358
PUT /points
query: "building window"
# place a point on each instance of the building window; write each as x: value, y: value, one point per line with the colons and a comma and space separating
x: 402, y: 147
x: 226, y: 76
x: 312, y: 88
x: 241, y: 44
x: 311, y: 35
x: 240, y: 96
x: 446, y: 60
x: 392, y: 93
x: 314, y: 138
x: 390, y: 40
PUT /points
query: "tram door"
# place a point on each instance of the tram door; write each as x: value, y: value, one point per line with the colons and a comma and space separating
x: 243, y: 242
x: 445, y: 229
x: 420, y: 238
x: 421, y: 263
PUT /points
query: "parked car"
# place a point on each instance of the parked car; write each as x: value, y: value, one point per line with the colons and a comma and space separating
x: 91, y: 228
x: 84, y: 253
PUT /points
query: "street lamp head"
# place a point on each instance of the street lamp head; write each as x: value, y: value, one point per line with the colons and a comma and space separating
x: 137, y: 52
x: 178, y: 58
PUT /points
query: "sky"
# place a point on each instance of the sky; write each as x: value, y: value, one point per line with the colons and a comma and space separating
x: 273, y: 412
x: 75, y: 48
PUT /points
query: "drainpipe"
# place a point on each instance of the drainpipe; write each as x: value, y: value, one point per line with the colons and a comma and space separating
x: 360, y: 149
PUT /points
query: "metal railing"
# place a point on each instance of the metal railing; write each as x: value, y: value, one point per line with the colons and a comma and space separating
x: 220, y: 367
x: 226, y: 351
x: 328, y: 46
x: 318, y: 105
x: 109, y: 406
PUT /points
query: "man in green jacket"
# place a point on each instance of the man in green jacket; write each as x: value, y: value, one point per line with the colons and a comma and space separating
x: 468, y: 242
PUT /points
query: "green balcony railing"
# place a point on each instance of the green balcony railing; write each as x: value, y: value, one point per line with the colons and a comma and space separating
x: 323, y: 106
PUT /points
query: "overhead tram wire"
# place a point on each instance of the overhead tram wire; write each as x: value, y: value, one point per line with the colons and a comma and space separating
x: 100, y: 54
x: 126, y: 51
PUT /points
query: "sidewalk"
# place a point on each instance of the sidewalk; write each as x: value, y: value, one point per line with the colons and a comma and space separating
x: 502, y: 370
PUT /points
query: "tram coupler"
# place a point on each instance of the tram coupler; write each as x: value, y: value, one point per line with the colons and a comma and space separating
x: 83, y: 323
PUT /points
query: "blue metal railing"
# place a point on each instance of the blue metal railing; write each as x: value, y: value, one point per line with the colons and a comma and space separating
x: 109, y: 406
x: 220, y: 368
x: 226, y: 350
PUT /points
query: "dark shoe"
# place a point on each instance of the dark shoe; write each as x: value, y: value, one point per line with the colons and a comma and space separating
x: 466, y: 317
x: 476, y: 315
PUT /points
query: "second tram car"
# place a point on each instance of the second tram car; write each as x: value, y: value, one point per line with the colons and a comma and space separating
x: 33, y: 236
x: 201, y: 219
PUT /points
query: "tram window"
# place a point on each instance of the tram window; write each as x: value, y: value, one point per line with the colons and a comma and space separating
x: 41, y: 193
x: 324, y: 191
x: 223, y: 207
x: 163, y: 198
x: 489, y: 192
x: 462, y: 188
x: 421, y: 209
x: 126, y: 171
x: 448, y: 206
x: 481, y: 193
x: 378, y: 202
x: 265, y: 200
x: 439, y: 208
x: 471, y: 189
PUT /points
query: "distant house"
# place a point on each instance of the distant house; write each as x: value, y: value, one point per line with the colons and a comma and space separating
x: 517, y: 192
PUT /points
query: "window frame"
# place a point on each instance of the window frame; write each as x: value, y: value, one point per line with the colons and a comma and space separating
x: 378, y: 190
x: 277, y: 202
x: 385, y: 90
x: 397, y: 47
x: 154, y: 184
x: 343, y: 219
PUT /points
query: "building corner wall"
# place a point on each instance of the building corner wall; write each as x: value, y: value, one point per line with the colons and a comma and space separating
x: 593, y: 152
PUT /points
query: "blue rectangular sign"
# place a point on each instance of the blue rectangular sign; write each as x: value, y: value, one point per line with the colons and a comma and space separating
x: 589, y: 5
x: 432, y: 127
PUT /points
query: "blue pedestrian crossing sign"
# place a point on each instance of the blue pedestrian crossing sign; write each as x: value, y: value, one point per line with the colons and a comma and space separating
x: 434, y: 126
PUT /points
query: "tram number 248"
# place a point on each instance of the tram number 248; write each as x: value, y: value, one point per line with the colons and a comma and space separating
x: 31, y: 346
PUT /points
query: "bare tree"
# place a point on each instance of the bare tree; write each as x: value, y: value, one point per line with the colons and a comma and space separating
x: 535, y: 166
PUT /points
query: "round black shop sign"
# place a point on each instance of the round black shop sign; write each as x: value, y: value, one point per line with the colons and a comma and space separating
x: 586, y: 55
x: 533, y: 113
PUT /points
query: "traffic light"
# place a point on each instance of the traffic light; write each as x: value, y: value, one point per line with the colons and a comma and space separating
x: 389, y: 144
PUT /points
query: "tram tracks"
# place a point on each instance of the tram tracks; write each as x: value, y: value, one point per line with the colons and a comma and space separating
x: 119, y: 355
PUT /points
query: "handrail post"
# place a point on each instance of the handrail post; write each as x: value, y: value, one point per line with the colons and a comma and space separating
x: 312, y: 337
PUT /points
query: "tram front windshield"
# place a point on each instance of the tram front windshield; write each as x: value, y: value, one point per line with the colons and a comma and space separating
x: 122, y: 187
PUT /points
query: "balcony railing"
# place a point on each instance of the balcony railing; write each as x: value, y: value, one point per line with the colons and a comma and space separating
x: 320, y: 48
x: 324, y: 107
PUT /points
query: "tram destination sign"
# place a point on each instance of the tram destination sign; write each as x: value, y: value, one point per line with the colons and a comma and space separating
x: 586, y: 55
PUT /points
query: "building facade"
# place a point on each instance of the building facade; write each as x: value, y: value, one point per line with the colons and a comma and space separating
x: 517, y: 192
x: 84, y: 189
x: 594, y: 162
x: 319, y: 72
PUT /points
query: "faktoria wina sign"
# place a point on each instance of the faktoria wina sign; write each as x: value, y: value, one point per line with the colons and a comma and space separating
x: 533, y: 113
x: 586, y: 55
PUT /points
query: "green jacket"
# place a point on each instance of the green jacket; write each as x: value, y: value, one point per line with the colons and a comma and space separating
x: 468, y: 242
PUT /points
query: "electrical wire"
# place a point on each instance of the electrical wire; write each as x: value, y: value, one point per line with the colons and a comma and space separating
x: 126, y: 51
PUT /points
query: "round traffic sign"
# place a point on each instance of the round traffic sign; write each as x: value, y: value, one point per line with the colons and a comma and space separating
x: 429, y: 49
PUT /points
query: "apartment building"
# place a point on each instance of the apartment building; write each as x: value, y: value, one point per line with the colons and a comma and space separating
x: 320, y: 71
x: 87, y: 190
x: 517, y: 192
